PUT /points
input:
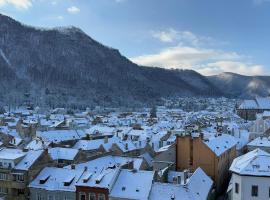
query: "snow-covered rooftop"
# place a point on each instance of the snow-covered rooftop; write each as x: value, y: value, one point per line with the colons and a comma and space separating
x: 248, y: 104
x: 197, y: 188
x: 29, y: 159
x: 254, y: 163
x: 102, y: 179
x: 57, y: 136
x: 132, y: 184
x: 54, y: 179
x: 260, y: 142
x: 11, y: 154
x: 59, y: 153
x: 109, y: 161
x: 220, y: 144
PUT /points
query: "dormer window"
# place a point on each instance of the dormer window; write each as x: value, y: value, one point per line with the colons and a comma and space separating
x: 44, y: 179
x: 256, y: 166
x: 68, y: 181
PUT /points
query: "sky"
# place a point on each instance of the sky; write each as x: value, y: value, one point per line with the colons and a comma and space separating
x: 209, y: 36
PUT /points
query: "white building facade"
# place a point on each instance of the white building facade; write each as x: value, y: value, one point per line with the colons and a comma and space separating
x: 251, y: 176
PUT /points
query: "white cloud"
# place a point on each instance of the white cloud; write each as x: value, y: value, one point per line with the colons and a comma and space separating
x: 19, y: 4
x: 182, y: 37
x: 191, y: 51
x: 73, y: 10
x: 183, y: 57
x: 165, y: 36
x: 232, y: 66
x: 205, y: 61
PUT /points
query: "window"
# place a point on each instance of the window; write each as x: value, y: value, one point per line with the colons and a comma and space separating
x: 50, y: 197
x: 254, y: 190
x: 3, y: 190
x: 3, y: 176
x: 101, y: 196
x: 92, y: 196
x: 236, y: 188
x: 66, y: 198
x: 20, y: 191
x: 39, y: 197
x: 82, y: 196
x: 19, y: 177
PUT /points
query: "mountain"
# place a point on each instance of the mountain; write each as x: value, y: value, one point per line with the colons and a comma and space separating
x: 65, y: 67
x: 240, y: 86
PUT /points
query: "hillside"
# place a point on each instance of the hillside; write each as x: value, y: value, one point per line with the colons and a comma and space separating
x: 65, y: 67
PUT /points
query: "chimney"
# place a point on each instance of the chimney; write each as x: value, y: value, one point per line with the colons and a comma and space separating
x: 46, y: 151
x: 160, y: 144
x: 201, y: 136
x: 185, y: 176
x: 73, y: 166
x: 178, y: 179
x: 106, y: 139
x: 126, y: 146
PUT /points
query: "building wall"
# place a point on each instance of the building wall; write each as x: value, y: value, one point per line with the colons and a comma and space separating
x: 251, y: 148
x: 245, y: 185
x: 164, y: 159
x: 192, y: 154
x: 183, y: 153
x: 56, y: 195
x: 88, y: 190
x: 18, y: 190
x: 248, y: 114
x: 258, y: 128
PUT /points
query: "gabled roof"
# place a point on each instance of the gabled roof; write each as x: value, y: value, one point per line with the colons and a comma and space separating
x: 257, y: 103
x: 263, y: 102
x: 57, y: 136
x: 11, y: 154
x: 220, y: 144
x: 125, y: 146
x: 54, y: 179
x: 254, y: 163
x: 248, y: 104
x: 63, y: 153
x: 197, y: 188
x: 109, y: 161
x: 199, y: 184
x: 102, y: 179
x: 132, y: 184
x: 260, y: 142
x: 30, y: 158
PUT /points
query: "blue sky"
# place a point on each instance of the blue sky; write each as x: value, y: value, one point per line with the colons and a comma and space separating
x: 210, y: 36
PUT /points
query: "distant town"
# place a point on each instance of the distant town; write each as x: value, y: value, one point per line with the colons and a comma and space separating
x: 188, y: 148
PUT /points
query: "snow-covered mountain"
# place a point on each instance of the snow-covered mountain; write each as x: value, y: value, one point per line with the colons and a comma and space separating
x: 64, y: 66
x: 237, y: 85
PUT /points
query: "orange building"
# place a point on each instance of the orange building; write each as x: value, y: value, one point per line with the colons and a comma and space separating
x: 213, y: 155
